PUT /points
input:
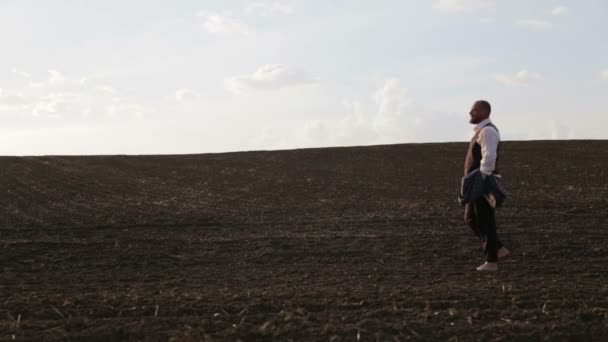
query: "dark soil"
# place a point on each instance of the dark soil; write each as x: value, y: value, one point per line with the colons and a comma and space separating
x: 321, y: 244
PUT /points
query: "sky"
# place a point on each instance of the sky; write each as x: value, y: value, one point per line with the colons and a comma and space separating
x: 173, y: 77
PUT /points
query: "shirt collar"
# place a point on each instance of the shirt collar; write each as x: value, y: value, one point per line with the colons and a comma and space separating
x: 482, y: 124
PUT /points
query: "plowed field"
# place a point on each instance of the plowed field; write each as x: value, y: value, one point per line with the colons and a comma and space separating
x: 335, y: 244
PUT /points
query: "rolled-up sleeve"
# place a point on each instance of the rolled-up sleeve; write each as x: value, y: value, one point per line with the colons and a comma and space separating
x: 488, y: 139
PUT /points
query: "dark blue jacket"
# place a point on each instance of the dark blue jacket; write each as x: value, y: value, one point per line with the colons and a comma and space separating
x: 474, y: 186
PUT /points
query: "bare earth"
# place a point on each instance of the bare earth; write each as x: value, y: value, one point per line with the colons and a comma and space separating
x: 321, y: 244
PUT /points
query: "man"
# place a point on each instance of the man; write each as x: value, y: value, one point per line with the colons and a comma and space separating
x: 483, y: 155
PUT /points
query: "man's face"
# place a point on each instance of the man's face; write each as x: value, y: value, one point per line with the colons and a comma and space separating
x: 477, y: 113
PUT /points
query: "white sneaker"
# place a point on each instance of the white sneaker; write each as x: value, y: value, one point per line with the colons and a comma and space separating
x: 488, y: 267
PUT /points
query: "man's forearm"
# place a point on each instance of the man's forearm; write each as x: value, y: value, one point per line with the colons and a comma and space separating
x: 488, y: 166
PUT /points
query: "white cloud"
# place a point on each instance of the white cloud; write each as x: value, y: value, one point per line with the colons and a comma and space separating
x: 462, y: 5
x: 535, y: 24
x: 13, y: 101
x: 217, y: 23
x: 124, y: 109
x: 268, y: 9
x: 56, y: 79
x: 11, y: 98
x: 56, y: 104
x: 64, y: 97
x: 560, y: 10
x: 551, y: 130
x: 356, y: 128
x: 269, y: 76
x: 392, y: 101
x: 390, y: 118
x: 20, y: 73
x: 37, y: 84
x: 46, y: 109
x: 604, y: 74
x: 520, y: 78
x: 106, y: 89
x: 185, y: 94
x: 560, y: 131
x: 86, y: 112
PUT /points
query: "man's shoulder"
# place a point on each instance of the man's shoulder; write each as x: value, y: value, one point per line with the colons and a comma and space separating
x: 490, y: 129
x: 490, y: 125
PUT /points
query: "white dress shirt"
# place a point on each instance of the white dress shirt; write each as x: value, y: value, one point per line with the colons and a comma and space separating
x: 488, y: 139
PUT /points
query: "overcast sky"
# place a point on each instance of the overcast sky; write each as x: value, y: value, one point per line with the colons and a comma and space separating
x: 152, y: 77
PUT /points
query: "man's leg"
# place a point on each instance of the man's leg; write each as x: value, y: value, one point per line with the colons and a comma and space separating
x: 487, y: 227
x: 480, y: 216
x: 470, y: 219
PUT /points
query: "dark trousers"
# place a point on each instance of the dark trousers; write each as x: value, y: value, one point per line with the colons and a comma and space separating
x: 481, y: 217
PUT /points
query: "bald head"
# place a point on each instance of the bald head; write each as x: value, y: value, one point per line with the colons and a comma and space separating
x: 485, y: 106
x: 480, y: 111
